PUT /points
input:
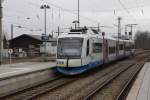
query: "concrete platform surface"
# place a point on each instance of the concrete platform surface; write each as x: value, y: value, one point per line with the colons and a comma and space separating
x: 22, y: 68
x: 141, y: 87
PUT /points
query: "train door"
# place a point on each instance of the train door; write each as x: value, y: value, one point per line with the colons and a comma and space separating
x: 117, y: 49
x: 106, y: 52
x: 88, y: 51
x: 124, y: 45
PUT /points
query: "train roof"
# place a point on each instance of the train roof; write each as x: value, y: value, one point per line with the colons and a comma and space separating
x: 86, y: 33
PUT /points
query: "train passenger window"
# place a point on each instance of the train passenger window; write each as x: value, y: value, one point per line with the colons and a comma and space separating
x: 127, y: 48
x: 112, y: 50
x: 120, y: 47
x: 88, y: 48
x: 97, y: 47
x: 132, y: 46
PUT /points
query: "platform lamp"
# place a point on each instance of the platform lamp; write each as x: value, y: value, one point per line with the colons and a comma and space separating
x: 75, y: 23
x: 103, y: 34
x: 45, y: 7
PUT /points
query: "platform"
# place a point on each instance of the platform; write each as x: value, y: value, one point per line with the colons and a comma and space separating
x: 22, y: 68
x: 141, y: 86
x: 16, y: 77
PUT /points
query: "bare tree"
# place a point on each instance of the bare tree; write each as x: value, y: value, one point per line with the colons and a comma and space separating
x: 142, y: 40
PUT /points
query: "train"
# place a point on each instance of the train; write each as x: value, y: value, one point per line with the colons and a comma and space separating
x: 80, y: 50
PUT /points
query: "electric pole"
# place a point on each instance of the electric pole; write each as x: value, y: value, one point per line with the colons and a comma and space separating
x: 12, y: 26
x: 119, y: 34
x: 119, y: 27
x: 131, y: 25
x: 1, y: 36
x: 126, y: 31
x: 58, y: 31
x: 98, y: 28
x: 45, y: 7
x: 78, y: 14
x: 131, y: 31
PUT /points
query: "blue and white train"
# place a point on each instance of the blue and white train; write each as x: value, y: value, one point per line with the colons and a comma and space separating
x: 83, y: 49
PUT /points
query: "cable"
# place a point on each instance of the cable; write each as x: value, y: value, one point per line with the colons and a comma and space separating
x: 124, y: 7
x: 70, y: 11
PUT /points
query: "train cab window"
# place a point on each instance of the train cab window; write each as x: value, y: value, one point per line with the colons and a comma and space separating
x: 97, y: 47
x: 88, y: 48
x: 69, y: 47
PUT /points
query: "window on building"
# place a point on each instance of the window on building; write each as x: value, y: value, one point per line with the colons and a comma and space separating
x: 97, y: 47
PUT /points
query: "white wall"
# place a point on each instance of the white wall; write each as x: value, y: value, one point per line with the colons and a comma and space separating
x: 49, y: 48
x: 5, y: 53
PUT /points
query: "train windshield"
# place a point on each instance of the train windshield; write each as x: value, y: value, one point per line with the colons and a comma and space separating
x: 69, y: 48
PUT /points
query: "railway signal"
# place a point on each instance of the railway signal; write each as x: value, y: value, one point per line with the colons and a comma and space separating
x: 131, y: 32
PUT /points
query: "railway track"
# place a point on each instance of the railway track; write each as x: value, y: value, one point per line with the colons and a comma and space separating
x: 60, y: 82
x: 127, y: 86
x: 48, y: 86
x: 122, y: 93
x: 92, y: 94
x: 87, y: 91
x: 73, y: 94
x: 32, y: 92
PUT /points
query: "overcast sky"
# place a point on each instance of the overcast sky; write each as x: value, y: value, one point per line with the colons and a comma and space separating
x: 27, y: 13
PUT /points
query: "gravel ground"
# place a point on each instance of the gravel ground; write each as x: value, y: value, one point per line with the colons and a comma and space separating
x: 68, y: 92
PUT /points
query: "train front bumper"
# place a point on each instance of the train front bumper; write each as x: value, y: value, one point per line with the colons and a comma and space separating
x: 71, y: 63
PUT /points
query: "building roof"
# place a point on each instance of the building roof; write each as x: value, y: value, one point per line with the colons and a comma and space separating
x: 37, y: 37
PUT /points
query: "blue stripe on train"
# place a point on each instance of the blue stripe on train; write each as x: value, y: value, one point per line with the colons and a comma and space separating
x: 79, y: 69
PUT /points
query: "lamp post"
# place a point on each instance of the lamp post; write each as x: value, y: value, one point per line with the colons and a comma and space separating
x: 1, y: 37
x: 45, y: 7
x: 76, y: 22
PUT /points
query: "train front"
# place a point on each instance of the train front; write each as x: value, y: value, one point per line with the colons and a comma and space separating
x: 69, y: 52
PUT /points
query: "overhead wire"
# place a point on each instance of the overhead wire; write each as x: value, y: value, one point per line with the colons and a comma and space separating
x: 70, y: 11
x: 73, y: 12
x: 125, y: 8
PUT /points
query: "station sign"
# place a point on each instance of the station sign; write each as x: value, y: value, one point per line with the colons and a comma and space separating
x: 10, y: 51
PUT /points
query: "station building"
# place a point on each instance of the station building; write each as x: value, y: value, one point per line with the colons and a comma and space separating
x: 32, y: 45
